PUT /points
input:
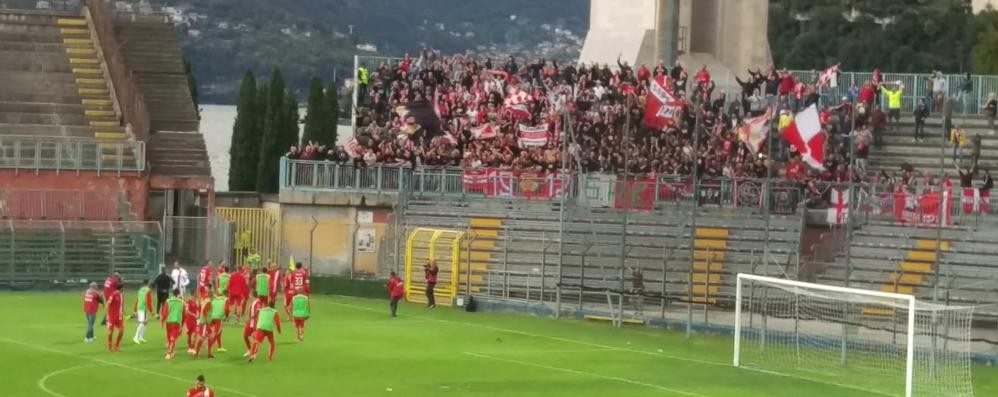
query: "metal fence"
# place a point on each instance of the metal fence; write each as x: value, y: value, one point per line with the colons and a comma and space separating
x: 37, y: 153
x: 915, y: 88
x: 103, y: 205
x: 40, y: 253
x: 195, y: 240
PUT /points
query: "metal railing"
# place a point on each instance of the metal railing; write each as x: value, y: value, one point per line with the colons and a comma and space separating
x: 49, y: 5
x: 106, y: 205
x: 914, y: 88
x: 36, y: 153
x: 47, y: 252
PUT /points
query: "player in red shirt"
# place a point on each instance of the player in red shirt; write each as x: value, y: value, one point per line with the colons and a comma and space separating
x: 288, y: 294
x: 91, y: 301
x: 266, y: 322
x: 115, y: 318
x: 200, y: 389
x: 204, y: 327
x: 171, y: 316
x: 238, y: 291
x: 110, y: 285
x: 204, y: 278
x: 192, y: 309
x: 396, y: 289
x: 275, y: 281
x: 299, y: 280
x: 251, y: 322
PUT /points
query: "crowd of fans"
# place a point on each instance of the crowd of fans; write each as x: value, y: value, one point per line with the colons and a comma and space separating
x: 602, y: 110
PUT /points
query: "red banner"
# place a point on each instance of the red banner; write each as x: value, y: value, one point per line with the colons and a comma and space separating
x: 494, y: 182
x: 923, y: 209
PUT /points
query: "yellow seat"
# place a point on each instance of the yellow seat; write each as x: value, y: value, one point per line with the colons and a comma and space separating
x: 87, y: 71
x: 74, y: 32
x: 93, y: 91
x: 907, y: 278
x: 98, y: 113
x: 110, y: 136
x: 83, y: 61
x: 702, y: 278
x: 95, y: 102
x: 485, y: 223
x: 899, y: 289
x: 930, y: 245
x: 71, y: 22
x: 81, y: 51
x: 701, y: 290
x: 702, y: 266
x: 712, y: 233
x: 922, y: 256
x: 711, y: 244
x: 713, y: 256
x: 873, y: 312
x: 916, y: 267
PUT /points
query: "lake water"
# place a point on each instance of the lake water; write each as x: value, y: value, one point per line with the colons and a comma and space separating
x: 216, y: 126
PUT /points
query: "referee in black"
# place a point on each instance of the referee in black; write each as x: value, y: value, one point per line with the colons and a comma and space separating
x: 163, y: 284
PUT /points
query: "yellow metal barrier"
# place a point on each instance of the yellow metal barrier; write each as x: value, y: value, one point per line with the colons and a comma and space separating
x: 442, y: 246
x: 258, y: 231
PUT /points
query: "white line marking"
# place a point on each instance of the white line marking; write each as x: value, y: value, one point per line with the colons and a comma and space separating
x: 590, y: 374
x: 116, y: 364
x: 606, y: 347
x: 50, y: 375
x: 543, y: 351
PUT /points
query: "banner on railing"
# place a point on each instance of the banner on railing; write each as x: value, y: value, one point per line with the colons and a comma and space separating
x: 923, y: 209
x: 976, y: 200
x: 494, y: 182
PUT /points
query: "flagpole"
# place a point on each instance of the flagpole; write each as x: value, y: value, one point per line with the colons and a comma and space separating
x: 693, y: 227
x: 630, y: 196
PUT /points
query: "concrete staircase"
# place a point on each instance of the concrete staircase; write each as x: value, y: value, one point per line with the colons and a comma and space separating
x: 900, y: 146
x: 39, y: 91
x: 710, y: 246
x: 152, y: 52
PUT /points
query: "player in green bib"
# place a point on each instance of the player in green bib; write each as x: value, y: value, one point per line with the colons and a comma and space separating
x: 143, y: 310
x: 223, y: 281
x: 263, y: 286
x: 267, y: 320
x: 215, y: 316
x: 171, y: 317
x: 301, y: 310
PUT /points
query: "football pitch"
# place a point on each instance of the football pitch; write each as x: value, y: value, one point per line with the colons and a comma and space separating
x: 353, y: 348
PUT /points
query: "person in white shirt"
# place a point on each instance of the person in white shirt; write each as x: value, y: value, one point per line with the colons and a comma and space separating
x: 179, y: 276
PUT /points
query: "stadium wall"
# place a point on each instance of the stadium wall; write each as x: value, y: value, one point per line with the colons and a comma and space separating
x: 135, y: 186
x: 346, y: 239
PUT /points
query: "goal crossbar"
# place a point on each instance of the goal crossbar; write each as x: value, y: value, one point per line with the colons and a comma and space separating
x: 908, y: 299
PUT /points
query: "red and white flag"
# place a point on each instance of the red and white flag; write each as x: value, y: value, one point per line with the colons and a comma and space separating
x: 516, y: 96
x: 838, y: 213
x: 484, y: 131
x: 353, y: 148
x: 662, y: 109
x: 755, y: 130
x: 975, y: 200
x: 829, y: 78
x: 534, y: 136
x: 804, y: 134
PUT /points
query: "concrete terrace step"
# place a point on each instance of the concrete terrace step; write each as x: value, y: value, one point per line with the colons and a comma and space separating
x: 46, y: 130
x: 47, y: 119
x: 40, y: 107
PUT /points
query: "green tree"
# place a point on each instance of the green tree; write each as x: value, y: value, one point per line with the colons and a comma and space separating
x: 245, y: 149
x: 271, y: 147
x: 316, y: 118
x: 291, y: 128
x: 986, y: 49
x: 331, y: 111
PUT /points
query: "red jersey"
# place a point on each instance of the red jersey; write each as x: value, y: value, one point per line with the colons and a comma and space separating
x: 275, y: 277
x: 110, y: 285
x: 298, y: 281
x: 191, y: 310
x: 431, y: 274
x: 115, y: 306
x: 254, y: 311
x: 237, y: 285
x: 200, y: 392
x: 204, y: 276
x: 91, y: 299
x: 396, y: 288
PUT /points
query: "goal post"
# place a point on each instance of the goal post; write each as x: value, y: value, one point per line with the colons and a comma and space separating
x: 882, y: 342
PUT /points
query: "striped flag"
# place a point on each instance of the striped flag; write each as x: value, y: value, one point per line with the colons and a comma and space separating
x: 353, y: 148
x: 533, y: 136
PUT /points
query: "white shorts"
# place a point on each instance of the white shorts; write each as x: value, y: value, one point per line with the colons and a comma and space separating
x: 141, y: 316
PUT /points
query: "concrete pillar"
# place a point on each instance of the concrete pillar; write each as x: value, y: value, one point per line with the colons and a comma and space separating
x: 667, y: 35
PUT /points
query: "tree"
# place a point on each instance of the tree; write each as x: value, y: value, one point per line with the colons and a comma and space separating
x: 331, y: 111
x: 245, y: 149
x: 291, y: 128
x: 271, y: 147
x: 986, y: 50
x: 316, y: 118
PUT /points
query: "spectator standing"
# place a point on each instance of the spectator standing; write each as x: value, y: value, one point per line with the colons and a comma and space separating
x: 179, y: 277
x: 957, y: 138
x: 894, y: 104
x: 91, y: 300
x: 862, y: 148
x: 975, y: 151
x: 921, y: 113
x: 431, y: 271
x: 396, y: 289
x: 163, y: 284
x: 362, y: 81
x: 939, y: 89
x: 990, y: 109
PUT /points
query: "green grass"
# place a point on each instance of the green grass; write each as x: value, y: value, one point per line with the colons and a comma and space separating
x: 352, y: 348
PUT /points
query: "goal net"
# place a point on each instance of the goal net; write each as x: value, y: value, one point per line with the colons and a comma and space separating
x: 875, y: 342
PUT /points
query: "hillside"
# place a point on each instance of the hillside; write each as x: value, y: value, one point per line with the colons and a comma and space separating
x: 223, y: 38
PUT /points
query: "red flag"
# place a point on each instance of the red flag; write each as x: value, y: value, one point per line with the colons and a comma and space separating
x: 485, y: 131
x: 838, y: 213
x: 829, y: 78
x: 353, y: 148
x: 662, y: 109
x: 804, y: 134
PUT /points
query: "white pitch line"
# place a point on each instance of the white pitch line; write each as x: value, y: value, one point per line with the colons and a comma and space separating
x: 543, y: 351
x: 116, y: 364
x: 50, y: 375
x: 589, y: 374
x: 607, y: 347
